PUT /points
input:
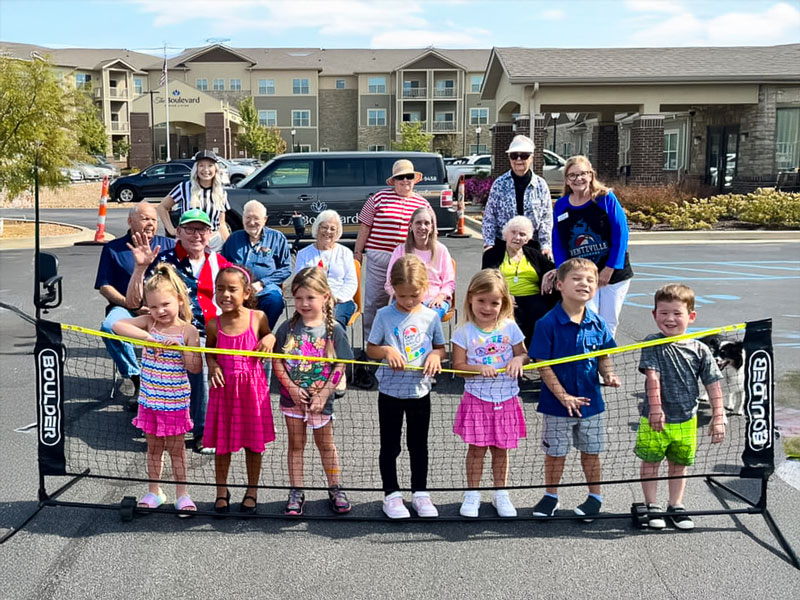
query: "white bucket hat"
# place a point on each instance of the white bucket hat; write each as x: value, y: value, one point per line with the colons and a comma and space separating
x: 521, y: 143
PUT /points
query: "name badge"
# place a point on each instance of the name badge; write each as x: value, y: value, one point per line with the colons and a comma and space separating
x: 563, y: 216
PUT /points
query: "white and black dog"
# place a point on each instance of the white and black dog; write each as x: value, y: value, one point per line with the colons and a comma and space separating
x: 730, y: 360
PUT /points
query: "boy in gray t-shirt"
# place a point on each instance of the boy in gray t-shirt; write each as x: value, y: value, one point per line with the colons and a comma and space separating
x: 668, y: 427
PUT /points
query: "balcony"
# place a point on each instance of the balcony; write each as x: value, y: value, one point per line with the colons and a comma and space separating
x: 444, y: 93
x: 120, y: 126
x: 444, y: 126
x: 414, y: 92
x: 121, y: 93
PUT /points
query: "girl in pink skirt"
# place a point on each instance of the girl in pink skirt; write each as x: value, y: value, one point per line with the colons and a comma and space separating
x: 239, y: 414
x: 164, y: 395
x: 490, y: 415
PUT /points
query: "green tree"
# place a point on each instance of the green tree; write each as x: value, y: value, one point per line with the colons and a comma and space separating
x: 121, y: 147
x: 92, y: 136
x: 257, y: 139
x: 37, y: 116
x: 413, y: 139
x: 275, y: 144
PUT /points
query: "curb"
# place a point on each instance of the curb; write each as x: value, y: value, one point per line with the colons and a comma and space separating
x: 692, y: 237
x: 59, y: 241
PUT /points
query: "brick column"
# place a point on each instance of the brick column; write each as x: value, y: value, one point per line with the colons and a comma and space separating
x: 605, y: 142
x: 647, y: 151
x: 141, y: 154
x: 215, y: 132
x: 502, y: 134
x: 538, y: 138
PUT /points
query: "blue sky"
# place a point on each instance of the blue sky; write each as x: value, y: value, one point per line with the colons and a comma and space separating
x: 144, y: 24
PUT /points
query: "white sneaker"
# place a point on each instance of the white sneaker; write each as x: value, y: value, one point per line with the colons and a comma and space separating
x: 502, y: 504
x: 394, y: 508
x: 471, y: 504
x: 422, y: 504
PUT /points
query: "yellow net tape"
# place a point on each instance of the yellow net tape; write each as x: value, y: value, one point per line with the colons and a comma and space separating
x: 532, y: 366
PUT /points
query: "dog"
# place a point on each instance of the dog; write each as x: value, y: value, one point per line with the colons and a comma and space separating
x: 730, y: 360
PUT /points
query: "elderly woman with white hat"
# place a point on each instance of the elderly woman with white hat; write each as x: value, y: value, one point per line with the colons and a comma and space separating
x: 384, y: 221
x: 519, y: 192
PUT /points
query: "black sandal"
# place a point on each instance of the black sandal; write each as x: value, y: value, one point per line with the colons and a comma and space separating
x: 225, y: 508
x: 248, y: 510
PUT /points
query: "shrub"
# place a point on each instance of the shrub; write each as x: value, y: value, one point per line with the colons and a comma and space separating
x: 477, y: 188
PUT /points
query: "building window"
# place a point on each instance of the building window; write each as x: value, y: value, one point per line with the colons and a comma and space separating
x: 376, y: 117
x: 324, y: 149
x: 138, y: 86
x: 478, y: 116
x: 301, y: 118
x: 377, y: 85
x: 787, y: 138
x: 476, y: 149
x: 219, y: 85
x: 671, y: 150
x: 445, y: 88
x: 304, y: 147
x: 201, y: 84
x: 266, y: 87
x: 412, y: 116
x: 567, y: 149
x: 376, y: 147
x: 340, y: 84
x: 268, y: 118
x: 236, y: 85
x: 476, y: 81
x: 299, y: 87
x: 83, y: 81
x: 444, y: 121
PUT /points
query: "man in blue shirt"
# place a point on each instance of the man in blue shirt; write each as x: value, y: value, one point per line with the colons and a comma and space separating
x: 113, y: 274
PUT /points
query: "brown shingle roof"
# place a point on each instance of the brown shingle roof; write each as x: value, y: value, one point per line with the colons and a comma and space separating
x: 88, y: 59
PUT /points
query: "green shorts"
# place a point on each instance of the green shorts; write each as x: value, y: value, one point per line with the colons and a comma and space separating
x: 677, y: 442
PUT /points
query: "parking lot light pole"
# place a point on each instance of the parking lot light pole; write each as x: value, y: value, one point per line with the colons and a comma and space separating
x: 293, y: 131
x: 478, y: 141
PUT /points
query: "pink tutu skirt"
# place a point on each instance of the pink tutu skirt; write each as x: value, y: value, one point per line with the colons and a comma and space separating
x: 163, y: 423
x: 482, y: 423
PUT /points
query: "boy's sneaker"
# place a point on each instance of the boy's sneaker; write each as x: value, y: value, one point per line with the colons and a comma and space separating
x: 679, y: 518
x: 546, y: 507
x: 502, y: 503
x: 295, y: 503
x: 421, y: 502
x: 471, y: 504
x: 590, y: 508
x: 655, y: 521
x: 394, y: 508
x: 338, y: 500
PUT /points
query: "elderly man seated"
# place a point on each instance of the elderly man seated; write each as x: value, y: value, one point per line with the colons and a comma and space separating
x: 113, y: 275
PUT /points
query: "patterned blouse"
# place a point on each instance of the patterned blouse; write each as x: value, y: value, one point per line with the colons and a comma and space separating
x: 502, y: 207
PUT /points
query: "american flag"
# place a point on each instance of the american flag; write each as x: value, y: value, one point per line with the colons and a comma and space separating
x: 164, y: 72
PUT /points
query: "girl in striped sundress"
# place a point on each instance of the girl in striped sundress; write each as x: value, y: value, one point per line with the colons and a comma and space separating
x: 164, y: 394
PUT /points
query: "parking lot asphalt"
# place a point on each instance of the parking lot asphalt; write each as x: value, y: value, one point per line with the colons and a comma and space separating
x: 79, y: 553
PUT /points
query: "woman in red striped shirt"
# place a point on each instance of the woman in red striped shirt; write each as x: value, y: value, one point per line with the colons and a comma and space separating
x: 384, y: 221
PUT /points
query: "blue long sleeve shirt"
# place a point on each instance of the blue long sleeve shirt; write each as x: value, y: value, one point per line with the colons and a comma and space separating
x: 268, y: 259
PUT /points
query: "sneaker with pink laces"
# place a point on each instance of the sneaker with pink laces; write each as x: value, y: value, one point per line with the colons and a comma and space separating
x: 421, y: 502
x: 394, y: 508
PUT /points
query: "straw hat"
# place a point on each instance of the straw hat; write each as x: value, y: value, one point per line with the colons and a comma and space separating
x: 403, y: 167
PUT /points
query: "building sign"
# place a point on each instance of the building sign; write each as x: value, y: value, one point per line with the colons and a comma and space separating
x: 177, y: 100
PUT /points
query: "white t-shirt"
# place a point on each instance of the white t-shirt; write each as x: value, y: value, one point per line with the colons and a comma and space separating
x: 495, y: 348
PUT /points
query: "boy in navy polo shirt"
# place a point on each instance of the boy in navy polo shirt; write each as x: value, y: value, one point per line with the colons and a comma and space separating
x: 571, y: 402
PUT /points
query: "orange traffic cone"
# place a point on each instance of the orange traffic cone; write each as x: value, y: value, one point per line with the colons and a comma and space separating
x: 100, y: 234
x: 460, y: 201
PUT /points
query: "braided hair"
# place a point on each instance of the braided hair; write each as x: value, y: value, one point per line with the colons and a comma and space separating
x: 314, y: 279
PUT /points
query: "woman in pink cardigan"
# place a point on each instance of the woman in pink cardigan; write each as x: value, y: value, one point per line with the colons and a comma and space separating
x: 422, y: 241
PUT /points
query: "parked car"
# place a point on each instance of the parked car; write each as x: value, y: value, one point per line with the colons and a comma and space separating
x: 250, y: 162
x: 222, y: 166
x: 71, y: 174
x: 236, y: 171
x: 106, y: 167
x: 468, y: 166
x: 155, y: 181
x: 89, y: 172
x: 554, y: 172
x: 310, y: 182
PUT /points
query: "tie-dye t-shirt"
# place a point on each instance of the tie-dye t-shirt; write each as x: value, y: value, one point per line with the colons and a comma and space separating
x: 495, y: 348
x: 413, y: 335
x: 309, y: 341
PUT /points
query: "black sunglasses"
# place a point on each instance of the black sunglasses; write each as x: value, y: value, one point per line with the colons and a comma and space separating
x: 519, y: 156
x: 406, y: 176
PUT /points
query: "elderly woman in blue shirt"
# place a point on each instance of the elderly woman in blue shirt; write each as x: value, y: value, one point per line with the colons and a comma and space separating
x: 266, y: 253
x: 519, y: 192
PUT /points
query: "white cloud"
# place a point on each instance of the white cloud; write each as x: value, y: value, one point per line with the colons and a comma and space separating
x: 778, y: 24
x: 422, y: 38
x: 552, y: 15
x: 655, y: 6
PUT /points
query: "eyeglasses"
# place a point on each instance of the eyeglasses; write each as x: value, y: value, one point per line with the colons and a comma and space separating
x: 405, y: 176
x: 197, y: 230
x: 519, y: 155
x: 582, y: 174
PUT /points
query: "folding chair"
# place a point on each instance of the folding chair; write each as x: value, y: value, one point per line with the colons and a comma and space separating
x: 359, y: 308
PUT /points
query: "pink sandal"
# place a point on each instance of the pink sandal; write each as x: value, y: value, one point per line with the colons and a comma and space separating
x: 184, y: 503
x: 151, y: 500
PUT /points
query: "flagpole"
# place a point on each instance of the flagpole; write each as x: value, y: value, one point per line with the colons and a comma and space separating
x: 165, y: 77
